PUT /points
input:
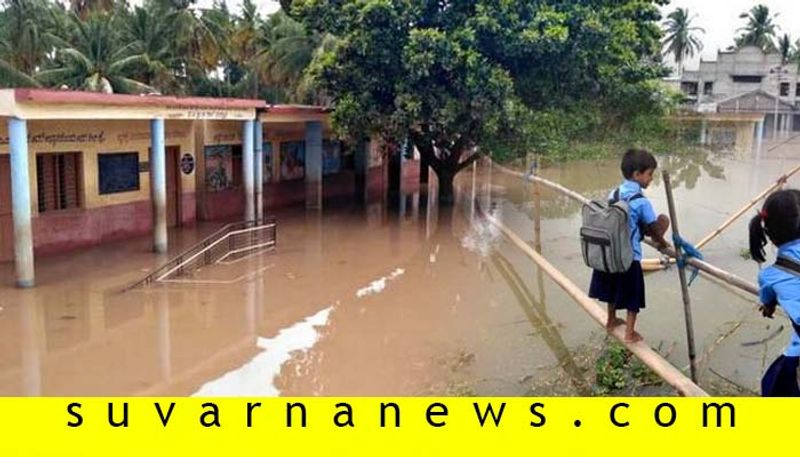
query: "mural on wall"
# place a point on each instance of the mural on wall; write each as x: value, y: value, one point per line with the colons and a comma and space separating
x: 118, y: 172
x: 293, y: 158
x: 219, y: 167
x: 267, y: 147
x: 331, y: 157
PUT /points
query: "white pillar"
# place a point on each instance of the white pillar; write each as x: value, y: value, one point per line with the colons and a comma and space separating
x: 158, y: 184
x: 21, y: 202
x: 703, y: 134
x: 247, y: 170
x: 759, y: 136
x: 259, y: 164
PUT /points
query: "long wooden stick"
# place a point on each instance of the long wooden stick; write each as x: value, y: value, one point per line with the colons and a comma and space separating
x: 687, y: 304
x: 640, y: 349
x: 703, y: 266
x: 778, y: 183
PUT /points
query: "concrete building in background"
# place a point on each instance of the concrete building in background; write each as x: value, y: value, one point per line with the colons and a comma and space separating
x: 747, y: 80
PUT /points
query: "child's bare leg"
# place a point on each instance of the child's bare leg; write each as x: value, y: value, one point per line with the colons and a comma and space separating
x: 631, y: 336
x: 612, y: 320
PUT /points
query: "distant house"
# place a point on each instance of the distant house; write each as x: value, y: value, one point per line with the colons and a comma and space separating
x: 747, y: 80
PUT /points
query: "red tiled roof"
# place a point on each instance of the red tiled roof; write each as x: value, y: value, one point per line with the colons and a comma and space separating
x: 67, y: 97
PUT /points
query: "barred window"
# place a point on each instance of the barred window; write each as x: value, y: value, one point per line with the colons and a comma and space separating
x: 58, y: 177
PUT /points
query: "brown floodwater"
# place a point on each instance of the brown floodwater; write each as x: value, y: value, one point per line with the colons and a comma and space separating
x: 391, y: 298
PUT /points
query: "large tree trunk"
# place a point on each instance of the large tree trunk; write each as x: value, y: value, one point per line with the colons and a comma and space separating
x: 446, y: 188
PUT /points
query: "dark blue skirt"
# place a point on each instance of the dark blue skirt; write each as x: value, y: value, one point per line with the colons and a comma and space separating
x: 623, y: 290
x: 780, y: 380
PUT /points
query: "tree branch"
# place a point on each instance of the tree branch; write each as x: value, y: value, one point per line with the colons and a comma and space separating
x: 475, y: 156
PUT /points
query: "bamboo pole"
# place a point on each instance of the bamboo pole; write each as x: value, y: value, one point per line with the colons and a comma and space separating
x: 687, y: 304
x: 703, y: 266
x: 778, y: 183
x: 640, y: 349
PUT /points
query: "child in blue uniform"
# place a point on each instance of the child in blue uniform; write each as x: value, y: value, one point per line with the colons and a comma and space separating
x: 626, y: 290
x: 779, y: 284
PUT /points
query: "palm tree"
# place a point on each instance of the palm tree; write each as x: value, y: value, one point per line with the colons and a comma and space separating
x: 150, y: 34
x: 760, y: 30
x: 96, y: 61
x: 785, y: 48
x: 26, y: 37
x: 680, y: 40
x: 288, y: 48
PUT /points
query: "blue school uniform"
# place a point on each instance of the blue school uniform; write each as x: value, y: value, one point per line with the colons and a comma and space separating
x: 626, y: 290
x: 780, y: 287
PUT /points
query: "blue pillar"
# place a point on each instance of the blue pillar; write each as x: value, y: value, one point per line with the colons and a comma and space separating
x: 361, y: 165
x: 313, y: 165
x: 247, y: 169
x: 21, y: 202
x: 158, y: 183
x: 259, y: 147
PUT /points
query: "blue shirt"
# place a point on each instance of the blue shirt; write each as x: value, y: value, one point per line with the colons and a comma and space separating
x: 782, y: 287
x: 641, y: 212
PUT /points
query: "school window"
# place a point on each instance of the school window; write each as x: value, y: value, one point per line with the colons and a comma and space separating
x: 797, y: 90
x: 58, y: 178
x: 784, y: 89
x: 689, y: 88
x: 118, y: 172
x: 708, y: 88
x: 746, y: 78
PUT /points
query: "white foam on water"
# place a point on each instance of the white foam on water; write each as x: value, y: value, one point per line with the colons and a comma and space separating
x: 256, y: 377
x: 379, y: 284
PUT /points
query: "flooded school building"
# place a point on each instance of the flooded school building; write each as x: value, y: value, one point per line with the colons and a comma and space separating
x: 78, y: 169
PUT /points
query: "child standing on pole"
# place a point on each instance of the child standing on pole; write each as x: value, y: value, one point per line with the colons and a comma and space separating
x: 779, y: 284
x: 626, y: 290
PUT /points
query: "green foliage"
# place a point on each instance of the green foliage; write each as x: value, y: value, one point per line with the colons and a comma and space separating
x: 680, y: 39
x: 617, y: 370
x: 492, y: 74
x: 760, y: 30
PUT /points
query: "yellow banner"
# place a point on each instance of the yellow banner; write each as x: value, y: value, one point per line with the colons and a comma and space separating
x: 395, y: 426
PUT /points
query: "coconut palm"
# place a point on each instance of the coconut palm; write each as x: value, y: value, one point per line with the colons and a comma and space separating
x: 680, y: 39
x: 28, y: 33
x: 96, y: 61
x: 288, y: 48
x: 760, y: 30
x: 785, y: 48
x: 150, y: 34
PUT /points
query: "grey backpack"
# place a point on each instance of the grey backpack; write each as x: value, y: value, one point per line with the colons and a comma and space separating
x: 606, y: 235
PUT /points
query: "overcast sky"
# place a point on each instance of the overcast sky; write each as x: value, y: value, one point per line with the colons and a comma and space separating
x: 720, y: 19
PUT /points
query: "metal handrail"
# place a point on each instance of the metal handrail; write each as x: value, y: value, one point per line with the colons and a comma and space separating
x: 202, y: 247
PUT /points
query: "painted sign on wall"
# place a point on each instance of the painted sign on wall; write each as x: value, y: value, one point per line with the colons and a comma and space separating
x: 331, y: 157
x: 219, y: 167
x: 293, y: 159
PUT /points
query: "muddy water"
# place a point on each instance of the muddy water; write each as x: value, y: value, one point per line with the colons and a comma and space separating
x: 401, y: 299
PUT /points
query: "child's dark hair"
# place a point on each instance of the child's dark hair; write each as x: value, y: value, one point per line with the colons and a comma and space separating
x: 637, y: 160
x: 779, y: 219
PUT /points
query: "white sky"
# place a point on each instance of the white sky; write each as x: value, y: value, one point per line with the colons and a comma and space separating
x: 720, y: 19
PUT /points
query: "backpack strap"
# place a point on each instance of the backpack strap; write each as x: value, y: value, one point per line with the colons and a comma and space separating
x: 615, y: 197
x: 790, y: 266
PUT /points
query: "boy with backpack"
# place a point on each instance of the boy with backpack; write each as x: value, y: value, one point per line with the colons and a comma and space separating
x: 611, y: 238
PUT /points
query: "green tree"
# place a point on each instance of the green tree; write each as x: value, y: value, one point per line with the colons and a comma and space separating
x: 785, y: 48
x: 760, y: 30
x: 28, y: 32
x: 96, y: 60
x: 680, y: 40
x: 150, y: 36
x: 287, y: 48
x: 455, y: 76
